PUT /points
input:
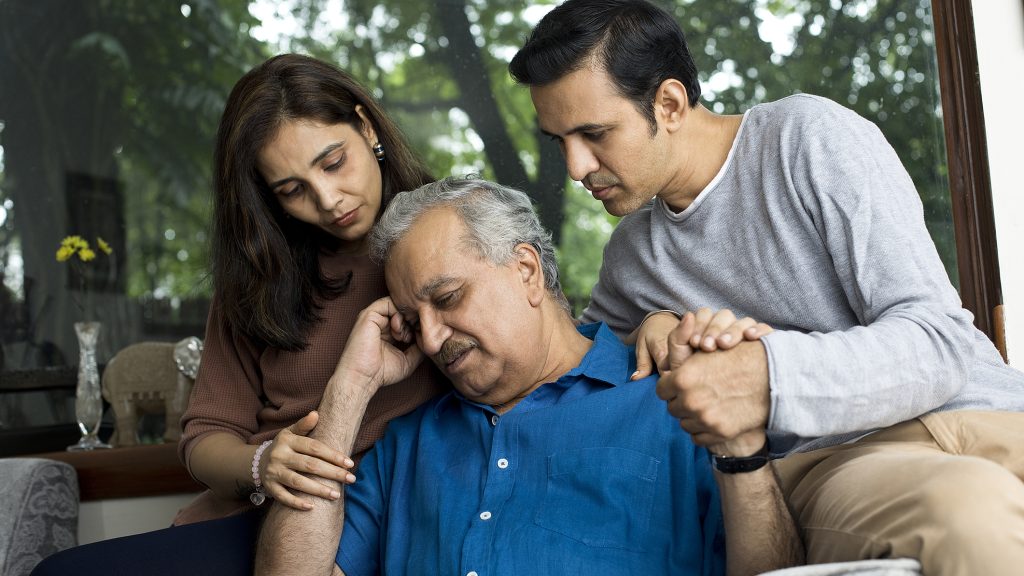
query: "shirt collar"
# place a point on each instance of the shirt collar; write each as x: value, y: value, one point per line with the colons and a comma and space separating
x: 608, y: 360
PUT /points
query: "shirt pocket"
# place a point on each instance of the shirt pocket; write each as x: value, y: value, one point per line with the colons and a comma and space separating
x: 601, y: 497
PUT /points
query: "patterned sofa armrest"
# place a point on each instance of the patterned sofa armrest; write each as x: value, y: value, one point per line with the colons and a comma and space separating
x: 38, y: 512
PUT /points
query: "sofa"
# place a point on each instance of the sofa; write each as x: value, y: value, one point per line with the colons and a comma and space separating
x: 38, y: 512
x: 39, y: 516
x: 885, y: 567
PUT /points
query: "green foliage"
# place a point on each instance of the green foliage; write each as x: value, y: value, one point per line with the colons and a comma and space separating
x: 184, y: 68
x: 584, y: 235
x: 160, y: 73
x: 876, y: 57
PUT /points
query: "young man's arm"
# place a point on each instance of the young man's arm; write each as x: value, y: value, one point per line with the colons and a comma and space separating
x: 306, y: 541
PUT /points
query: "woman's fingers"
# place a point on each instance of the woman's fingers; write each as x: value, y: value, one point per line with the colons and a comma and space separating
x: 305, y: 424
x: 294, y: 461
x: 289, y: 480
x: 292, y: 486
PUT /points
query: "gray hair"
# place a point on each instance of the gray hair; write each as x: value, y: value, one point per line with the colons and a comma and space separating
x: 497, y: 219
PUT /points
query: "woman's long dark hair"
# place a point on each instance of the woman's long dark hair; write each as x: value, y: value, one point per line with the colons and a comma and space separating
x: 266, y: 271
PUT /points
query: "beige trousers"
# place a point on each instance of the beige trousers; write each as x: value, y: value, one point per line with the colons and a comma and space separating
x: 945, y: 488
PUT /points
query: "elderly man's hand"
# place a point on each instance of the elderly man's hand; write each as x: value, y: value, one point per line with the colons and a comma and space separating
x: 716, y: 395
x: 372, y: 355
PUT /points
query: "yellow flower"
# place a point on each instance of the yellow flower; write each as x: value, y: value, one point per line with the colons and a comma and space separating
x: 69, y: 247
x: 75, y: 244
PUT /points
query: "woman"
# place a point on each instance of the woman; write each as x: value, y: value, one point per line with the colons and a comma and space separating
x: 298, y: 186
x: 304, y: 162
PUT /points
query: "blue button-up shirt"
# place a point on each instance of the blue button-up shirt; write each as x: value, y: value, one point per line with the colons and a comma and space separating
x: 586, y: 475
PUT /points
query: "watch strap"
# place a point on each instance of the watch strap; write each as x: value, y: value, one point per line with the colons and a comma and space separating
x: 742, y: 464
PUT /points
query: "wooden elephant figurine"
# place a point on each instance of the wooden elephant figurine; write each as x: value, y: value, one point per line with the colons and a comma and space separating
x: 150, y: 378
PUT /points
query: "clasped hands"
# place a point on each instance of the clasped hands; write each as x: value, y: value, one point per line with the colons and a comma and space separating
x: 713, y: 376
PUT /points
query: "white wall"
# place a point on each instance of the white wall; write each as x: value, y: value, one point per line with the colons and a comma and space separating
x: 105, y: 519
x: 999, y: 27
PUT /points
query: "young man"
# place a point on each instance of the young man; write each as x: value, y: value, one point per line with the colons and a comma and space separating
x: 797, y: 213
x: 547, y: 459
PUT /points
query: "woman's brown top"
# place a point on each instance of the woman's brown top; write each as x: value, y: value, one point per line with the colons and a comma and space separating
x: 252, y: 391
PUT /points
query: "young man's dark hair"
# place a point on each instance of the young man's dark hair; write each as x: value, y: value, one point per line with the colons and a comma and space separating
x: 638, y: 44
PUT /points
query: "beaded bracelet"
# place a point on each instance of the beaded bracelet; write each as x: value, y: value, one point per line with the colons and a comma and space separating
x: 259, y: 496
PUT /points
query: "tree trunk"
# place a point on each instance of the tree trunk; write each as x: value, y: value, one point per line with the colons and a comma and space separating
x: 477, y: 99
x: 61, y: 116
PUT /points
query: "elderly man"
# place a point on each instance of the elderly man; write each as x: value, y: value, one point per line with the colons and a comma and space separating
x: 546, y: 459
x: 902, y: 422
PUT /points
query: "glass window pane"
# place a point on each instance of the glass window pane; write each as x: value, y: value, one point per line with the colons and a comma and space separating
x: 108, y: 113
x: 874, y: 56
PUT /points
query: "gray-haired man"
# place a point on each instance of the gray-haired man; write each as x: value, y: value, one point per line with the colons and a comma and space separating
x: 547, y: 458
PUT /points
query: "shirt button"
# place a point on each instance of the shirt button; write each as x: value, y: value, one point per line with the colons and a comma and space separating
x: 502, y: 463
x: 494, y: 419
x: 485, y: 515
x: 473, y: 573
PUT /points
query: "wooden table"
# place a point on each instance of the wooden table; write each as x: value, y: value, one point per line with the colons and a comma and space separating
x: 149, y: 470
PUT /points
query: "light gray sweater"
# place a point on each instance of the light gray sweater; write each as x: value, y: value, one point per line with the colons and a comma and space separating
x: 813, y: 226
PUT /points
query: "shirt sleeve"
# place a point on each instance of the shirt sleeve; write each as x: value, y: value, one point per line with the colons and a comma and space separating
x: 360, y: 548
x: 912, y: 349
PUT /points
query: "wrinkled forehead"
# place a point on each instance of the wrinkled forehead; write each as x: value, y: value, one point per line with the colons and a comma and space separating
x: 435, y: 247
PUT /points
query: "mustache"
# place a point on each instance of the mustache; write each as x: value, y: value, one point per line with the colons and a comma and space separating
x: 452, y: 349
x: 592, y: 181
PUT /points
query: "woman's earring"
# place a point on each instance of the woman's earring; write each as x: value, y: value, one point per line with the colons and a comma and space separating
x: 378, y: 151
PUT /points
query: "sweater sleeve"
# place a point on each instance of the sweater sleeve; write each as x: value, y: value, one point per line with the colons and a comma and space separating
x: 226, y: 394
x: 606, y: 302
x: 912, y: 349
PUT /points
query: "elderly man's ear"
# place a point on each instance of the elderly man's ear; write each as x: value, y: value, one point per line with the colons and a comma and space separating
x: 531, y: 272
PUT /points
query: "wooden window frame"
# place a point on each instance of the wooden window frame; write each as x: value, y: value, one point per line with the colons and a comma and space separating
x: 970, y: 184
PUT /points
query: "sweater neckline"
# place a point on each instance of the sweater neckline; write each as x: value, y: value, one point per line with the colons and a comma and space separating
x: 681, y: 216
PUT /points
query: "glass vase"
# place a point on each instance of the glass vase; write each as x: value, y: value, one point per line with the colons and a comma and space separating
x: 88, y: 400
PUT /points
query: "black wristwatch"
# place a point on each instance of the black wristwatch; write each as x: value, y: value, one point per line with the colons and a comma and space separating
x: 730, y: 465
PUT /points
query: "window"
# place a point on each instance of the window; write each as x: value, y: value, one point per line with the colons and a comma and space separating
x: 108, y: 115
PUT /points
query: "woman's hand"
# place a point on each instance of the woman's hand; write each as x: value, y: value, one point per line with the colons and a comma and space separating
x: 704, y: 330
x: 371, y: 359
x: 287, y: 464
